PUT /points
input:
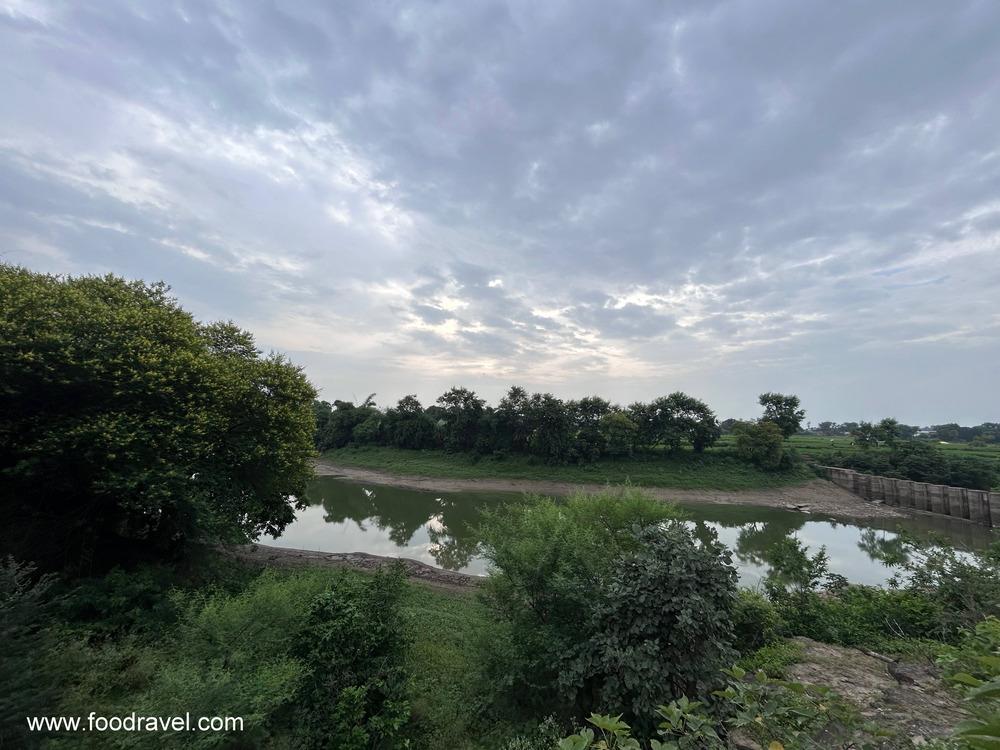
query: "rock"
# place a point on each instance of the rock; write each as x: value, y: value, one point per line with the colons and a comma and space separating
x: 739, y: 741
x: 907, y: 698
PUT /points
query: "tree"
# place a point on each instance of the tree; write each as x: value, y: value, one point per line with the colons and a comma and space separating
x: 783, y: 411
x: 462, y: 411
x: 513, y: 430
x: 551, y: 428
x: 126, y: 426
x: 618, y: 432
x: 585, y: 415
x: 760, y: 442
x: 407, y: 426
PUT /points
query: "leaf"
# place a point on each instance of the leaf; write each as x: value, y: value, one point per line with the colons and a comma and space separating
x: 775, y: 745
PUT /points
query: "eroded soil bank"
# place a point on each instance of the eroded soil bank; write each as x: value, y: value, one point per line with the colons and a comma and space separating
x: 816, y: 496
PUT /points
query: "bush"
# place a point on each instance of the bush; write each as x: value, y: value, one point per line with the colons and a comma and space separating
x: 756, y: 622
x: 295, y: 655
x: 660, y: 627
x: 772, y: 659
x: 761, y: 443
x: 601, y: 601
x: 353, y: 647
x: 548, y: 561
x: 27, y: 686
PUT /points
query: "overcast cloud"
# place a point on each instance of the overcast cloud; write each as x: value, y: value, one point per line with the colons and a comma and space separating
x: 627, y: 198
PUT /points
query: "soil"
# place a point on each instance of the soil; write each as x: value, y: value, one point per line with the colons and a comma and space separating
x: 815, y: 496
x: 285, y: 557
x: 907, y: 697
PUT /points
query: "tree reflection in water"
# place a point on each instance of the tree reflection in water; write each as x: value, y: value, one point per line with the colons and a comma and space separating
x: 449, y: 521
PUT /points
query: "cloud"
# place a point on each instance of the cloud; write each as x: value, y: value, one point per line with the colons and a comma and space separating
x: 724, y: 196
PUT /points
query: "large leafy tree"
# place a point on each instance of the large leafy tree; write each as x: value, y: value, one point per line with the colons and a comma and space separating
x: 783, y: 410
x: 126, y: 426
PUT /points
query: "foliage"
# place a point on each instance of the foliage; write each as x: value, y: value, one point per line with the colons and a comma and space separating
x: 619, y: 433
x: 761, y: 443
x: 790, y: 714
x: 962, y: 586
x: 407, y: 426
x: 353, y: 648
x: 783, y: 411
x: 772, y: 659
x: 918, y: 461
x: 548, y: 561
x: 127, y: 427
x: 776, y: 714
x: 603, y: 604
x: 27, y: 686
x: 673, y: 420
x: 295, y: 655
x: 538, y: 425
x: 942, y: 591
x: 756, y: 622
x: 545, y: 736
x: 974, y: 666
x: 660, y: 627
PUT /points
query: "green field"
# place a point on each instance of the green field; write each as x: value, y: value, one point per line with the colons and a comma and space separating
x: 807, y: 444
x: 717, y: 468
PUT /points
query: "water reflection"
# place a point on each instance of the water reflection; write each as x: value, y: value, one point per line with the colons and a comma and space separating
x: 439, y: 529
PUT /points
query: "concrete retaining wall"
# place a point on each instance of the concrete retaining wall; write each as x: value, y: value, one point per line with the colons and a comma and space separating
x: 979, y: 506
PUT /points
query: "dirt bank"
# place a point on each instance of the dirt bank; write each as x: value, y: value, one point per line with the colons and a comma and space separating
x: 286, y: 557
x: 907, y: 697
x: 816, y: 496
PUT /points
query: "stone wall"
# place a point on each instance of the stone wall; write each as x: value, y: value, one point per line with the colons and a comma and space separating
x: 978, y: 506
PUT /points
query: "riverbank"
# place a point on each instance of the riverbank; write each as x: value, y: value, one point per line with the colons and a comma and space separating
x: 713, y: 469
x: 813, y: 496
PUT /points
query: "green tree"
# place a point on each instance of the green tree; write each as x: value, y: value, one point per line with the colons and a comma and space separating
x: 619, y: 433
x: 407, y: 426
x: 126, y: 426
x: 783, y: 410
x: 462, y: 412
x: 551, y: 428
x: 761, y: 443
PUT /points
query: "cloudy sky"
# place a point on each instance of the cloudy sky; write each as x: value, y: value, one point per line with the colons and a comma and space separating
x: 626, y: 198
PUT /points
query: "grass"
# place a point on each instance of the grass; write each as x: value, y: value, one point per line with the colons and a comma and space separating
x: 808, y: 444
x: 446, y: 627
x: 716, y: 469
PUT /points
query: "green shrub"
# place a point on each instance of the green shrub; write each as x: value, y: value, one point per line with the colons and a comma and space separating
x: 756, y: 622
x: 550, y: 561
x: 603, y: 604
x: 296, y: 655
x: 27, y: 687
x: 660, y: 627
x: 974, y: 666
x: 761, y: 443
x: 354, y: 649
x: 772, y: 659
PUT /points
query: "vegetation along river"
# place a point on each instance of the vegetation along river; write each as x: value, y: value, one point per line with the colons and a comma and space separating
x: 439, y: 529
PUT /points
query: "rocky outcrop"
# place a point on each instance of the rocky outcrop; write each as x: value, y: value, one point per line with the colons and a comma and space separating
x: 906, y: 697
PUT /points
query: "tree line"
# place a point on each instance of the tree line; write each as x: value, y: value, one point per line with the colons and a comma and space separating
x: 544, y: 426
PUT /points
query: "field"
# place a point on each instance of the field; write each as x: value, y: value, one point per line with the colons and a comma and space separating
x: 717, y: 468
x: 807, y: 444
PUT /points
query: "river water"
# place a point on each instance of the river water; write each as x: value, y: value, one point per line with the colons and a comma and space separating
x: 439, y: 529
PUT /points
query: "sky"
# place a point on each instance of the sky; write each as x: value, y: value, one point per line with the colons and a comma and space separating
x: 628, y: 199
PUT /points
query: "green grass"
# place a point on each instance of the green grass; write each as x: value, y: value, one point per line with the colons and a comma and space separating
x: 773, y: 659
x: 446, y: 628
x: 717, y: 469
x: 807, y: 444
